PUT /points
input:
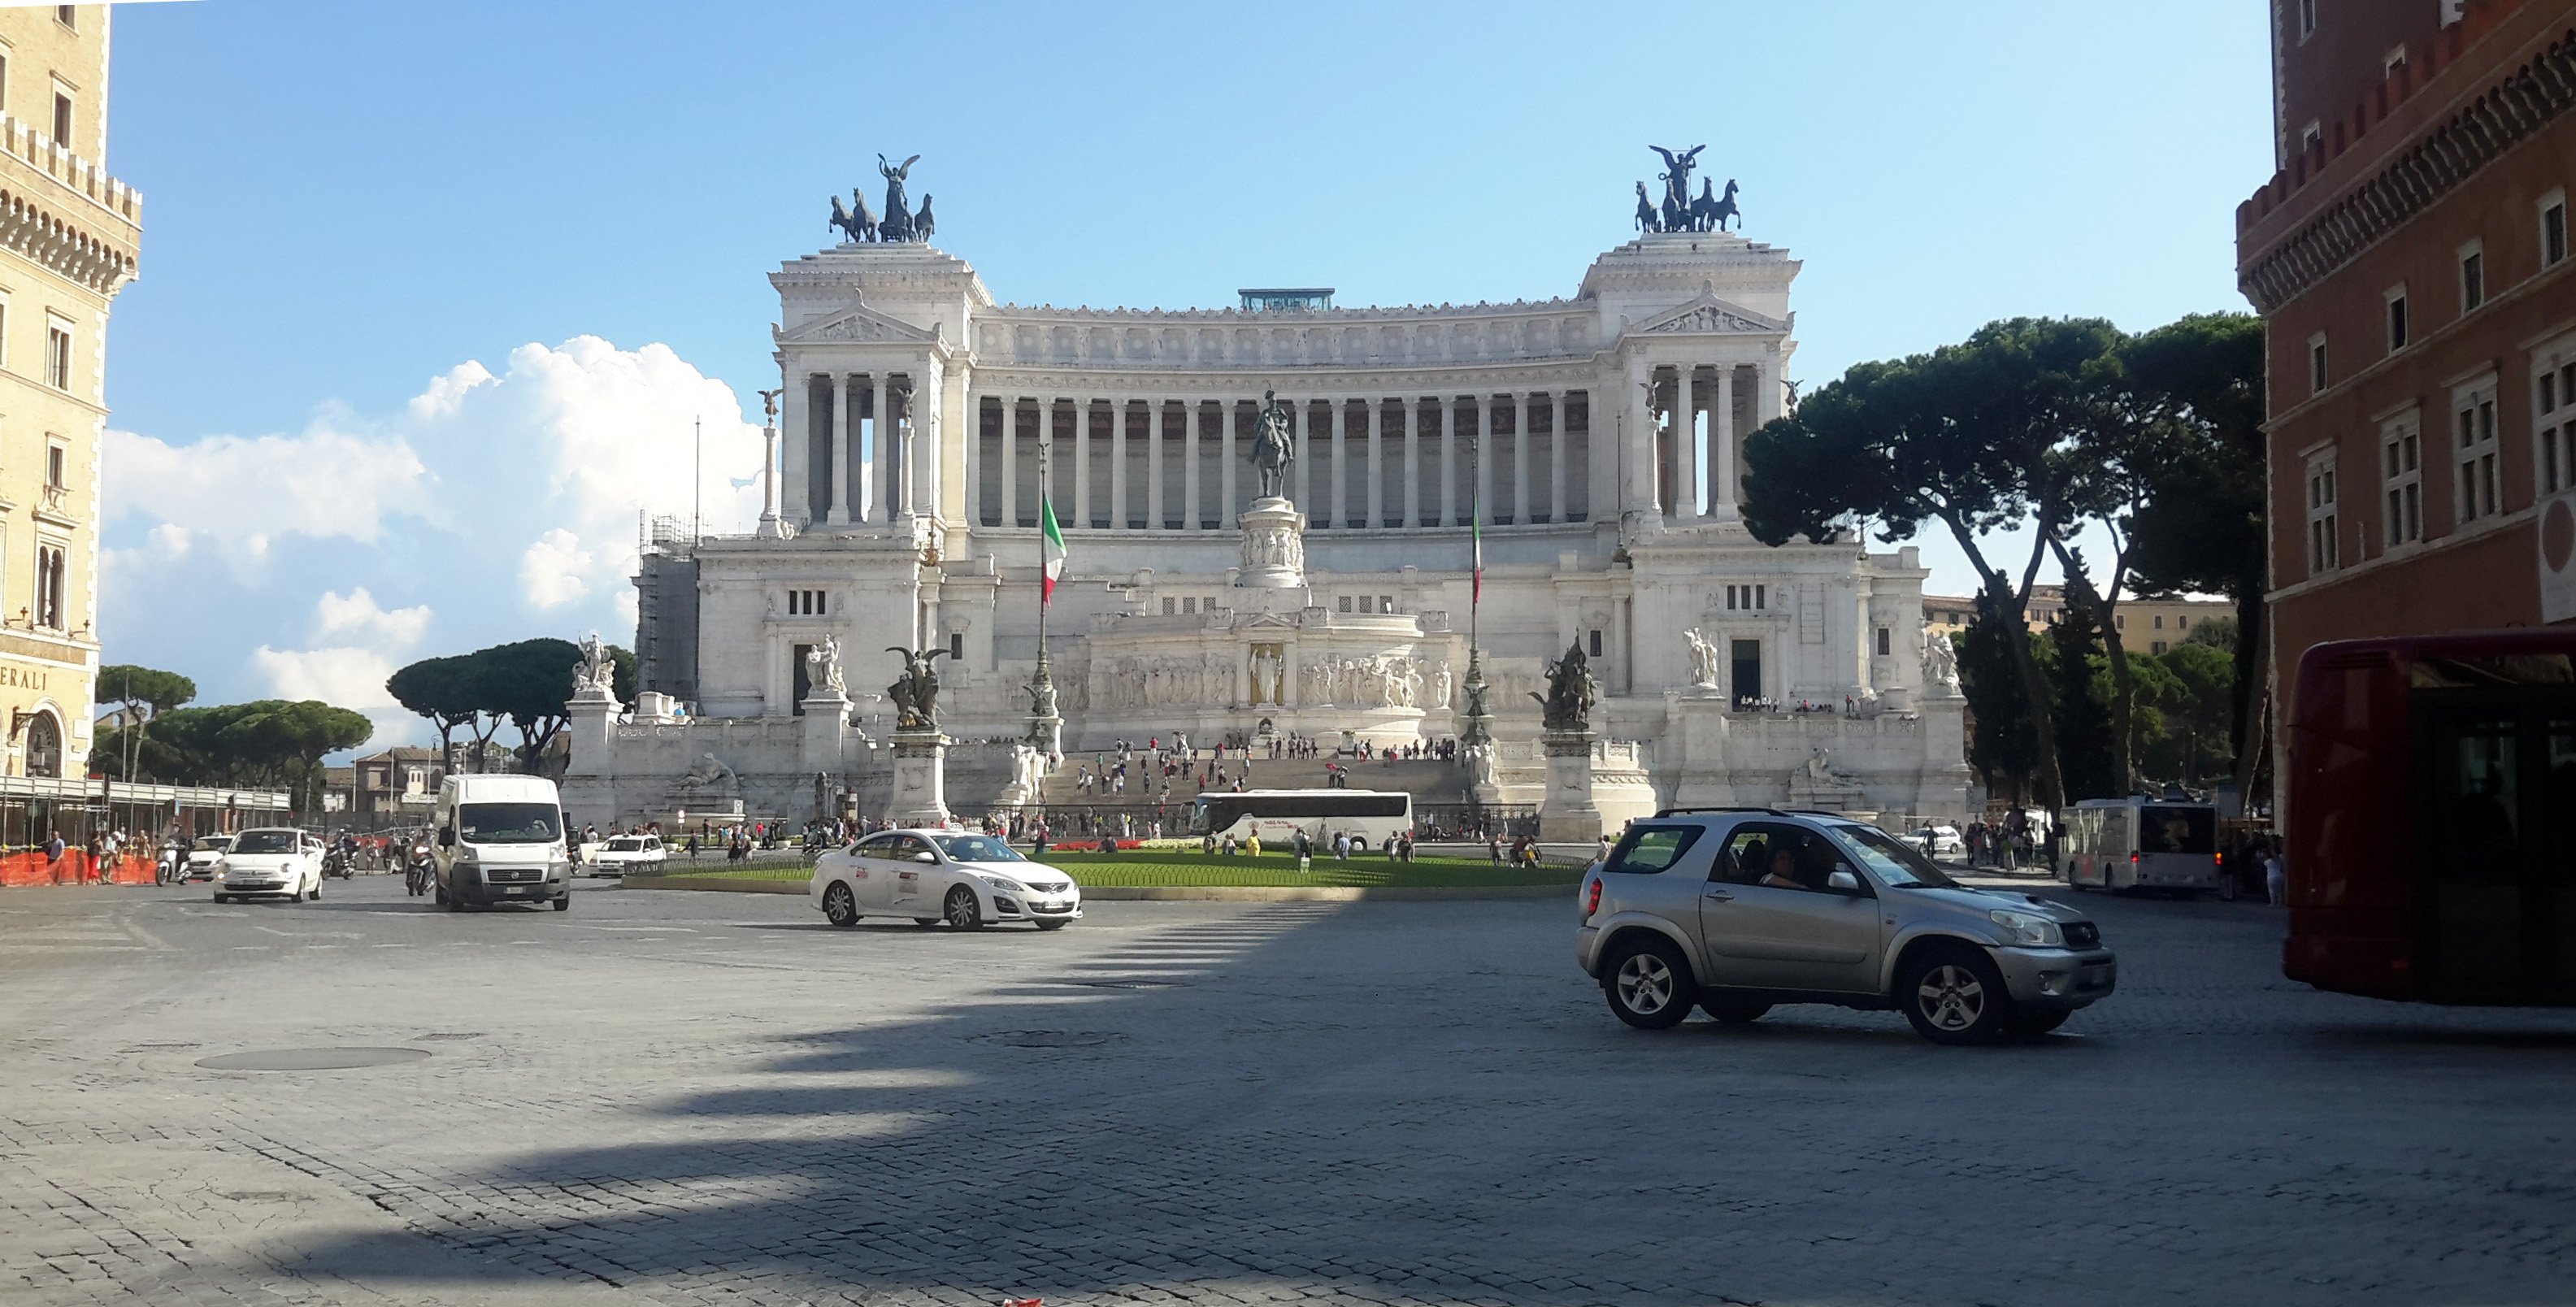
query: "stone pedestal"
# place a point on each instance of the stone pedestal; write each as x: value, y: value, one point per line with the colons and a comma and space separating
x: 1274, y: 546
x: 920, y: 779
x: 827, y: 731
x: 592, y: 728
x: 1567, y: 813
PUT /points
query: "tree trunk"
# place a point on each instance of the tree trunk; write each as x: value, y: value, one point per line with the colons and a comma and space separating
x: 2105, y: 605
x: 2052, y: 787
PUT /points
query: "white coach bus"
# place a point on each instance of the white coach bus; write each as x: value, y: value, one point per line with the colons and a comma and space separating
x: 1277, y: 815
x: 2120, y: 844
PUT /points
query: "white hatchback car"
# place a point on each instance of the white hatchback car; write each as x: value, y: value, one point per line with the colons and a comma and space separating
x: 961, y: 877
x: 1939, y: 841
x: 625, y: 853
x: 270, y: 862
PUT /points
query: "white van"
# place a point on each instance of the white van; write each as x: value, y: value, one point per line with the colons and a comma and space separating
x: 500, y: 839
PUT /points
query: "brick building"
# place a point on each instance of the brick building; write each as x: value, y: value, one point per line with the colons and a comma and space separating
x: 2410, y: 263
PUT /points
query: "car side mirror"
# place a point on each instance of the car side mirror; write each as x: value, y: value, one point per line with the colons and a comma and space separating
x: 1842, y: 880
x: 447, y: 837
x: 926, y: 856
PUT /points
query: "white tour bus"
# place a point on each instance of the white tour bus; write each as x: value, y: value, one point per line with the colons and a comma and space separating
x: 2139, y: 843
x: 1277, y: 815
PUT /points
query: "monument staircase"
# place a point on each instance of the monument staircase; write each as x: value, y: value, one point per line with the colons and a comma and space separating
x: 1430, y: 781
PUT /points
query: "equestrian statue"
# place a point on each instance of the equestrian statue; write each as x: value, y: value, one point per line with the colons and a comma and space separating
x: 1273, y: 447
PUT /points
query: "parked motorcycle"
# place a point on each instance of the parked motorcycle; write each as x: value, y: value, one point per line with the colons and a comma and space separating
x: 418, y: 871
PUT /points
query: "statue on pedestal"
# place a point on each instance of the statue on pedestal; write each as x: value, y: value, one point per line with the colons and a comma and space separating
x: 825, y: 660
x: 916, y: 692
x: 595, y: 673
x: 1274, y: 447
x: 1703, y: 652
x: 1571, y: 692
x: 1940, y: 660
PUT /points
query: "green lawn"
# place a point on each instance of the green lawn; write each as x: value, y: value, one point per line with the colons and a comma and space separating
x: 736, y: 871
x: 1173, y: 867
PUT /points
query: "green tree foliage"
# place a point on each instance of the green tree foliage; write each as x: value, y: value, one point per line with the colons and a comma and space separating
x: 1979, y: 437
x: 2185, y: 698
x: 268, y: 743
x: 145, y: 693
x: 525, y: 684
x: 2203, y: 529
x: 442, y: 690
x: 2001, y: 744
x: 2086, y: 751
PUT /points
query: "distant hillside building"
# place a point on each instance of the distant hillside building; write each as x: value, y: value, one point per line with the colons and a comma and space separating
x: 2146, y: 625
x: 69, y: 237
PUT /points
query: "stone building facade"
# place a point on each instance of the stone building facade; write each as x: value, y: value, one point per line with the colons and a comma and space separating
x: 1598, y: 438
x: 69, y: 240
x: 2411, y: 264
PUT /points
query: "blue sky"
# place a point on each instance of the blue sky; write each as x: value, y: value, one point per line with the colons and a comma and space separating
x: 432, y: 292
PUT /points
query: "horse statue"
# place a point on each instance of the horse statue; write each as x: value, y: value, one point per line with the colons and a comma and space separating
x: 922, y: 226
x: 1714, y: 213
x: 856, y: 221
x: 1571, y: 693
x: 1273, y: 447
x: 897, y: 223
x: 1646, y: 221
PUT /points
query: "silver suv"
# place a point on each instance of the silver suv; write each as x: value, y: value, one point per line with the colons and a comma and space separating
x: 1736, y: 909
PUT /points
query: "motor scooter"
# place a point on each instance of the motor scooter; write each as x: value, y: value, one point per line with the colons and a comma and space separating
x: 418, y: 870
x: 336, y: 863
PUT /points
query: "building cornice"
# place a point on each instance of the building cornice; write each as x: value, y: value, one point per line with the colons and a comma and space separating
x: 2363, y: 211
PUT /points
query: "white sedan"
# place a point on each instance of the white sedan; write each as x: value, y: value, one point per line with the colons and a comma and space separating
x: 931, y: 876
x: 1939, y: 842
x: 270, y: 862
x: 625, y: 853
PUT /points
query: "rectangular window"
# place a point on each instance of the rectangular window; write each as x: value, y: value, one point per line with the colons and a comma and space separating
x: 2401, y: 476
x: 1882, y: 642
x: 2473, y: 276
x: 2160, y: 646
x: 956, y: 646
x: 58, y: 355
x: 1593, y: 648
x: 67, y: 15
x: 55, y: 478
x: 2120, y: 622
x: 1170, y: 605
x: 2317, y: 363
x: 1386, y: 603
x: 2553, y: 229
x: 2183, y: 623
x: 1342, y: 605
x: 1757, y: 597
x: 2397, y: 319
x: 2312, y: 138
x: 62, y: 120
x: 2554, y: 417
x: 2474, y: 433
x: 2160, y: 621
x: 2322, y: 522
x: 1190, y: 604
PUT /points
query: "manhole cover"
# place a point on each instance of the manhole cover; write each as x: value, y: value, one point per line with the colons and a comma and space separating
x: 1053, y: 1038
x: 311, y: 1059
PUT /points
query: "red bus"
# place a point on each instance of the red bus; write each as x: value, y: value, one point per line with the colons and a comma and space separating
x: 2431, y: 803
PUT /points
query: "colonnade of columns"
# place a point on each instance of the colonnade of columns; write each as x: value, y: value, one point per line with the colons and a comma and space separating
x: 849, y: 451
x: 1178, y: 465
x: 1687, y: 423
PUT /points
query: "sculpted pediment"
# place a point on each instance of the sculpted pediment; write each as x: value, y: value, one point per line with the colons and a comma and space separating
x: 861, y: 324
x: 1710, y: 316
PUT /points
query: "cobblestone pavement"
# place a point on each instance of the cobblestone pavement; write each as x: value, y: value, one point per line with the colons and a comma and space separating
x: 701, y: 1098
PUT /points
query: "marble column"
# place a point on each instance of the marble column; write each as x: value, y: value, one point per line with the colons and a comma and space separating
x: 1721, y: 434
x: 796, y: 409
x: 1520, y: 459
x: 1557, y: 510
x: 1010, y: 515
x: 1192, y: 417
x: 927, y: 437
x: 1413, y: 460
x: 1118, y: 505
x: 1376, y: 478
x: 1225, y: 416
x: 1304, y: 412
x: 1488, y: 449
x: 1639, y: 494
x: 871, y: 469
x: 1153, y: 464
x: 1340, y: 490
x: 1686, y: 430
x: 1081, y: 462
x: 1054, y: 434
x: 837, y: 508
x: 1452, y: 451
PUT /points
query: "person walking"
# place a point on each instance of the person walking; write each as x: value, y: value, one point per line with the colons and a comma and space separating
x: 2276, y: 877
x: 1305, y: 852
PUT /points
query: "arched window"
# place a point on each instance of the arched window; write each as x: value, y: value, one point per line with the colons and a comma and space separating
x: 44, y: 745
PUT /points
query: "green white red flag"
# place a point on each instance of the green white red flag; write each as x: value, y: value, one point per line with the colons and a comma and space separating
x: 1051, y: 554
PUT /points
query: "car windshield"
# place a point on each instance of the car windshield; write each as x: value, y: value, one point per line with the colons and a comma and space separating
x: 508, y: 823
x: 628, y: 844
x: 265, y: 841
x: 214, y: 844
x: 1896, y: 863
x: 974, y: 848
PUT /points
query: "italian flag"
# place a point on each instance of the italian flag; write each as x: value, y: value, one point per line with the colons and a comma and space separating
x: 1050, y: 552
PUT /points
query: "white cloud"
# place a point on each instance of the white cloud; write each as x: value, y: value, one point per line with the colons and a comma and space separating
x: 447, y: 390
x: 551, y: 572
x: 342, y: 677
x: 357, y: 614
x: 241, y: 496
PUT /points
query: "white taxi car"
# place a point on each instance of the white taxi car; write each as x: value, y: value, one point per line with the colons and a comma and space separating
x: 961, y: 877
x: 270, y: 862
x: 625, y: 853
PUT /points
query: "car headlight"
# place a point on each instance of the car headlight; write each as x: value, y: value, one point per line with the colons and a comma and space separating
x: 1005, y: 884
x: 2028, y: 928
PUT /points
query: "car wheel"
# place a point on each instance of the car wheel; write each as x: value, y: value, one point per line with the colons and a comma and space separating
x: 1954, y: 995
x: 1053, y: 925
x: 2039, y: 1023
x: 1738, y: 1011
x: 961, y: 912
x: 315, y: 893
x: 839, y: 907
x: 1649, y: 985
x: 438, y: 895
